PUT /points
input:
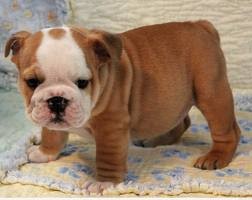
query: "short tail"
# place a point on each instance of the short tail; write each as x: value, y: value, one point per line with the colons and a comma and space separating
x: 209, y: 27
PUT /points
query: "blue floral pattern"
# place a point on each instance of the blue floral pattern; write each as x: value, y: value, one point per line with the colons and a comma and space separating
x: 233, y: 172
x: 195, y: 128
x: 70, y: 149
x: 134, y: 159
x: 245, y: 124
x: 130, y: 177
x: 168, y: 153
x: 75, y: 170
x: 176, y: 173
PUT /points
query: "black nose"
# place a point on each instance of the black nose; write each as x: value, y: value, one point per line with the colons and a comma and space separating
x: 57, y: 104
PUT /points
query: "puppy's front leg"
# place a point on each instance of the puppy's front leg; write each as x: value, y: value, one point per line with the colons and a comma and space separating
x: 112, y: 138
x: 111, y: 156
x: 51, y: 144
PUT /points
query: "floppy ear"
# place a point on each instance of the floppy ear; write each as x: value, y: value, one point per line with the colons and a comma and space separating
x: 106, y: 46
x: 15, y: 42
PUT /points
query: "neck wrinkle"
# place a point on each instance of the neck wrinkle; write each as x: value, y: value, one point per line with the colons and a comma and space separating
x: 104, y: 90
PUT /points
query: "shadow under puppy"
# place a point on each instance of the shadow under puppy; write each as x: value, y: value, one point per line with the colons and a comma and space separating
x: 137, y: 85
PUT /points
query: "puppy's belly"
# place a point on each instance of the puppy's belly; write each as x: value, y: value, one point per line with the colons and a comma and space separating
x: 149, y: 127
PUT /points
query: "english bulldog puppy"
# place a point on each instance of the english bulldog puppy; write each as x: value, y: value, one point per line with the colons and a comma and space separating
x: 137, y: 85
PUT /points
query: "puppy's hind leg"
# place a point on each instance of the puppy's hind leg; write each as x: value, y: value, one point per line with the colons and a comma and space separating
x: 214, y: 98
x: 168, y: 138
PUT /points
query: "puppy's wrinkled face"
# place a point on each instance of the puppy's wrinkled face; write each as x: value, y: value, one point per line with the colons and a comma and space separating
x: 54, y: 78
x: 58, y: 72
x: 60, y: 78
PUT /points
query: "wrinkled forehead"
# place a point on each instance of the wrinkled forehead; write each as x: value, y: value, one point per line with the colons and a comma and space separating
x: 58, y: 56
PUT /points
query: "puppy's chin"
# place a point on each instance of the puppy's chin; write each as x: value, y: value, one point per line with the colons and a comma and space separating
x: 47, y: 119
x: 61, y: 126
x: 65, y: 125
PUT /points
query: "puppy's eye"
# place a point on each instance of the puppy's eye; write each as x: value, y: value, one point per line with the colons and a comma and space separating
x: 81, y: 83
x: 32, y: 82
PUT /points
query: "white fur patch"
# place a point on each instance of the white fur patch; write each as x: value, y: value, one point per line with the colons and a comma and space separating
x: 37, y: 156
x: 61, y: 58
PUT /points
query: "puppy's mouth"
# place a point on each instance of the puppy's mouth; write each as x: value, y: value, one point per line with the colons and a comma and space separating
x: 57, y: 122
x: 72, y: 117
x: 58, y: 119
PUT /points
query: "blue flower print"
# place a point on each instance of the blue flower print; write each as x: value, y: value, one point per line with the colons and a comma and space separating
x: 194, y: 128
x: 158, y: 175
x: 63, y: 170
x: 131, y: 176
x: 69, y: 171
x: 174, y: 152
x: 176, y: 174
x: 204, y: 127
x: 232, y: 172
x: 75, y: 170
x: 245, y: 140
x: 245, y: 124
x: 82, y: 168
x: 68, y: 150
x: 73, y: 174
x: 133, y: 159
x: 199, y: 128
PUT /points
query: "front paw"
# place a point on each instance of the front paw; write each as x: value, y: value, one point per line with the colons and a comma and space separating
x: 213, y: 160
x: 96, y: 187
x: 35, y: 155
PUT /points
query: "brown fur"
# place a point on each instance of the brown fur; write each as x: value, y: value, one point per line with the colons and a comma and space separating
x: 53, y: 141
x: 144, y: 83
x: 28, y: 44
x: 168, y: 138
x: 57, y: 33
